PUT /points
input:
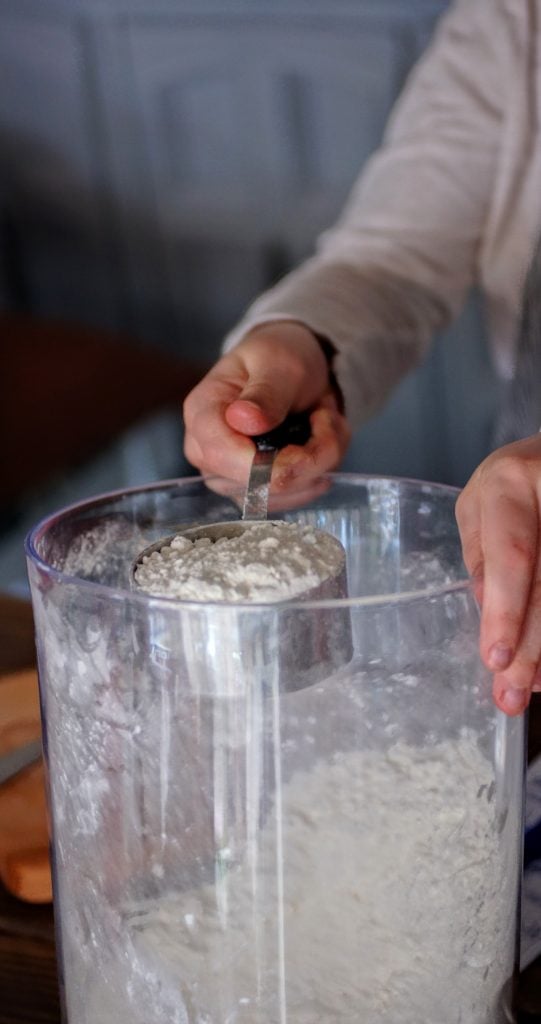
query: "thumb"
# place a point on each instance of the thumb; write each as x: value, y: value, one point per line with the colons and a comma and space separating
x: 284, y: 370
x: 264, y: 402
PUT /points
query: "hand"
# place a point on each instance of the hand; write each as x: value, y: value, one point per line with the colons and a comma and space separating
x: 276, y: 369
x: 499, y: 518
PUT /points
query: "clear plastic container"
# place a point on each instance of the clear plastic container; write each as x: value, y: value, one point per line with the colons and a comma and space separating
x: 306, y: 812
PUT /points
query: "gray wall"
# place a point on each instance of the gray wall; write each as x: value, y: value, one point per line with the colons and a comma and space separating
x: 161, y: 162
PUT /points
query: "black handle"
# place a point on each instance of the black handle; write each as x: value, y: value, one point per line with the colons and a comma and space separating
x: 294, y: 430
x: 532, y: 845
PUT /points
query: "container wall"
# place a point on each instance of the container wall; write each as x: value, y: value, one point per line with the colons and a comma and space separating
x: 243, y: 837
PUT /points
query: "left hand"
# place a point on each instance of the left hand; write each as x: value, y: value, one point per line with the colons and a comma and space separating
x: 499, y: 518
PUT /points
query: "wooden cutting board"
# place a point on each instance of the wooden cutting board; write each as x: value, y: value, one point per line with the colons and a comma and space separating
x: 24, y: 851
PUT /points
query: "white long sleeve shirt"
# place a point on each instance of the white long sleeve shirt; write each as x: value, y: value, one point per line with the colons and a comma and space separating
x: 451, y: 199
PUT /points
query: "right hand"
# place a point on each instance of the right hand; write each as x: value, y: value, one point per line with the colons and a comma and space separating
x: 276, y: 369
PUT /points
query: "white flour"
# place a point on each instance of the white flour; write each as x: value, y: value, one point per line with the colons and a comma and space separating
x: 393, y: 909
x: 270, y: 561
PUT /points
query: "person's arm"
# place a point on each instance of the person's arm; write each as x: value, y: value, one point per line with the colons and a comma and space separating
x: 398, y: 264
x: 394, y: 269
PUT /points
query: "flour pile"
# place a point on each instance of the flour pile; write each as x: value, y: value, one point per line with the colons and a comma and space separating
x: 390, y: 876
x: 270, y: 561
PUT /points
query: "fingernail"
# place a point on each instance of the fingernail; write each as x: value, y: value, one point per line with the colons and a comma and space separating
x: 500, y: 656
x: 514, y: 701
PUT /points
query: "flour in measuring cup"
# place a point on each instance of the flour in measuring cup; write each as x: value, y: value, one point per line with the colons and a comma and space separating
x: 383, y: 898
x: 270, y: 561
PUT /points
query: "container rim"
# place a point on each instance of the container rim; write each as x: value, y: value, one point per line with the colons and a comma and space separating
x: 35, y: 534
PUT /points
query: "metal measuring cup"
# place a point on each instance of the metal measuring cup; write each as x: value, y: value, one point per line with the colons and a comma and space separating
x: 313, y: 643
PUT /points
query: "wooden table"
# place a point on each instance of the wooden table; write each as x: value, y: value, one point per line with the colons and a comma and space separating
x: 28, y: 982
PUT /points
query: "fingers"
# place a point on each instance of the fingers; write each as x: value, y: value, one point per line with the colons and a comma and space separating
x: 251, y: 416
x: 468, y: 516
x: 513, y: 686
x: 510, y: 556
x: 268, y: 394
x: 322, y: 452
x: 301, y: 492
x: 210, y: 444
x: 498, y: 516
x: 250, y: 390
x: 285, y: 370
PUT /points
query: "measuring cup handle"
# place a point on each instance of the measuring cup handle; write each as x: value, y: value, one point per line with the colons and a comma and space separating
x: 295, y: 429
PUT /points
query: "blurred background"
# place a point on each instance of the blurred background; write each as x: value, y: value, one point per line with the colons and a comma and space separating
x: 161, y: 162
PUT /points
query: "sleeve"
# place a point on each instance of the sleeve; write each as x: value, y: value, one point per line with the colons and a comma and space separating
x: 399, y: 262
